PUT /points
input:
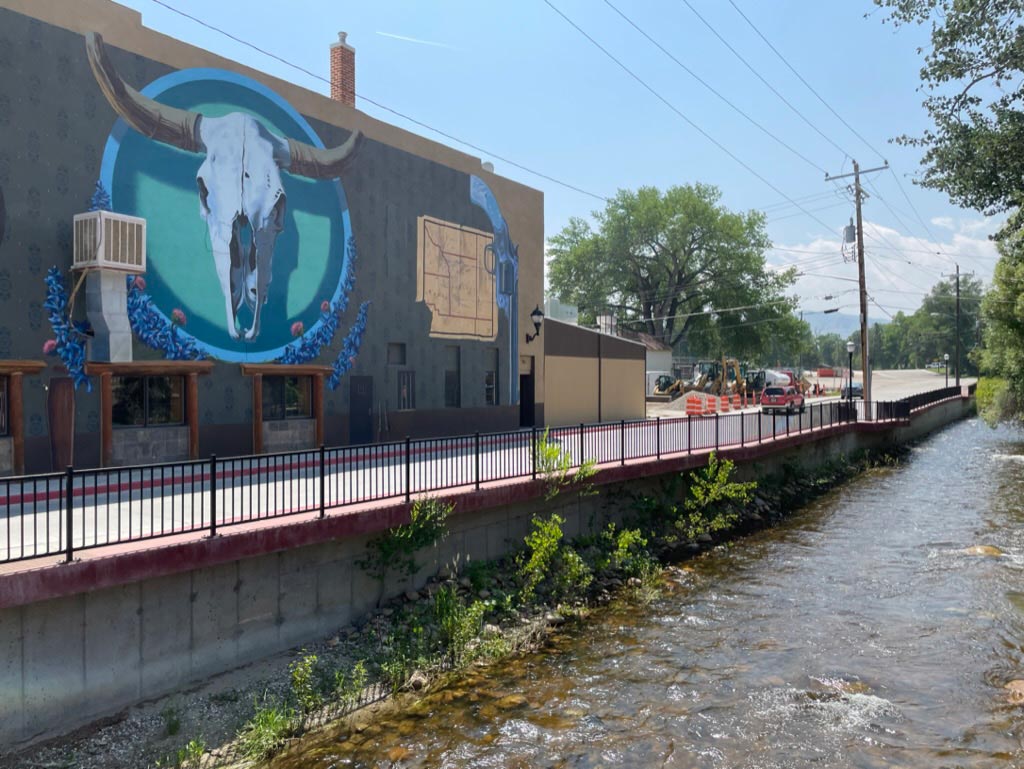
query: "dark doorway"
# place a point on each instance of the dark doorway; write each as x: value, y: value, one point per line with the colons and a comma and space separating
x: 527, y: 418
x: 360, y: 410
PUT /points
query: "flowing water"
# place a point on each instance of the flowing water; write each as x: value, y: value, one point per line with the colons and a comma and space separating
x: 869, y: 630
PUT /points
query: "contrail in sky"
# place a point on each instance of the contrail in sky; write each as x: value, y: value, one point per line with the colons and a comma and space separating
x: 416, y: 40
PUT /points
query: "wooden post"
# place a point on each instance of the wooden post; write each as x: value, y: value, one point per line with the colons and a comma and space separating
x: 257, y: 413
x: 106, y: 419
x: 192, y: 414
x: 16, y: 421
x: 318, y: 407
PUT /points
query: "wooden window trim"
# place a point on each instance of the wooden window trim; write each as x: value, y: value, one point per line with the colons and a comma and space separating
x: 15, y: 370
x: 258, y: 370
x: 190, y: 369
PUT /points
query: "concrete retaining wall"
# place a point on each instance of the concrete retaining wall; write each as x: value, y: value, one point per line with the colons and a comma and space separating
x: 71, y: 659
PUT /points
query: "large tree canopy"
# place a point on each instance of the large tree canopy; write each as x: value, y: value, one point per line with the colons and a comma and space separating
x: 972, y: 78
x: 677, y: 265
x: 1003, y: 309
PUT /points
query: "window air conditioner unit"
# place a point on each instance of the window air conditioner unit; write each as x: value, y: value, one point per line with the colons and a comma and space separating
x: 110, y: 241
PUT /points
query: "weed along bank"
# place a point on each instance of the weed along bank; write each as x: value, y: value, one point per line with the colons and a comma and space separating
x: 126, y: 624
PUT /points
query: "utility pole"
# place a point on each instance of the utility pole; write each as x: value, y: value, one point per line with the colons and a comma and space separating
x: 956, y: 364
x: 957, y: 368
x: 858, y: 196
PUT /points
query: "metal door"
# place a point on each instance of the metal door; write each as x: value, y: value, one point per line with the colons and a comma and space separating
x: 360, y: 410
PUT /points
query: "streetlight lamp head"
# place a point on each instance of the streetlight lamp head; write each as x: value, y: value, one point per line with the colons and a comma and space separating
x: 849, y: 347
x: 537, y: 316
x: 945, y: 357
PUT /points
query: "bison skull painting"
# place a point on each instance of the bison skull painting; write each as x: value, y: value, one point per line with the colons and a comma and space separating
x: 241, y: 197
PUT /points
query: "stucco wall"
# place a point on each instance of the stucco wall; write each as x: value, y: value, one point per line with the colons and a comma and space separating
x: 571, y: 391
x: 622, y: 389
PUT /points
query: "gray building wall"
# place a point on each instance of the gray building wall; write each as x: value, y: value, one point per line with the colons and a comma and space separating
x: 55, y: 122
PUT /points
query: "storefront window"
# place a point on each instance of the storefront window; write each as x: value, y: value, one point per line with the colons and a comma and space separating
x: 143, y: 401
x: 287, y: 397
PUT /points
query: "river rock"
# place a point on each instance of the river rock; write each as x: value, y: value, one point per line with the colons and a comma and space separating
x: 1015, y: 689
x: 444, y: 573
x: 412, y: 595
x: 511, y: 702
x: 466, y: 583
x: 418, y: 680
x: 704, y: 538
x: 987, y: 550
x: 396, y: 754
x: 484, y: 594
x: 489, y: 630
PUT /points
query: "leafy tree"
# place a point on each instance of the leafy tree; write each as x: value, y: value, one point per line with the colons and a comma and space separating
x: 1004, y: 330
x: 972, y: 78
x: 674, y: 264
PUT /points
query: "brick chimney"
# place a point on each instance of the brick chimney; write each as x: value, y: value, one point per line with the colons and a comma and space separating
x: 343, y: 71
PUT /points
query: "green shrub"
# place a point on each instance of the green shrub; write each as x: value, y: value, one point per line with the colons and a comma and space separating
x: 542, y: 546
x: 172, y: 720
x: 349, y: 688
x: 395, y: 549
x: 712, y: 499
x: 547, y: 560
x: 265, y: 733
x: 190, y: 756
x: 627, y: 552
x: 995, y: 400
x: 304, y: 683
x: 458, y: 624
x: 554, y: 467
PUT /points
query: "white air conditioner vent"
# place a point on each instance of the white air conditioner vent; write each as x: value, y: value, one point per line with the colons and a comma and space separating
x: 111, y: 241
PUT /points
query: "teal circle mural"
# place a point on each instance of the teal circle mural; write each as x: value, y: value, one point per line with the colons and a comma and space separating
x: 209, y: 213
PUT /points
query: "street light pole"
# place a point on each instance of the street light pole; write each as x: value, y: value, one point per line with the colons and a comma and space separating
x: 945, y: 357
x: 849, y: 388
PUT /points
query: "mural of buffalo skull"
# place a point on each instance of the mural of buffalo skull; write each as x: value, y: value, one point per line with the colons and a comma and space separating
x: 239, y: 180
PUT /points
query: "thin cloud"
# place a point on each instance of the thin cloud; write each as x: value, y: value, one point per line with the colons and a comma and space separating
x: 417, y: 40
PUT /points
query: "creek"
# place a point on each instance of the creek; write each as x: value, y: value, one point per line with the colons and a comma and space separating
x: 875, y: 627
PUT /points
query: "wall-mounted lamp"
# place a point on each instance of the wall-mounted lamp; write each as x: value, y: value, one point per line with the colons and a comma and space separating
x: 537, y: 316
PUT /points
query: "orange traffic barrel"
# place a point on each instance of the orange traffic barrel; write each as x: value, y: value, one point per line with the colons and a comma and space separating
x: 710, y: 404
x: 694, y: 405
x: 736, y: 402
x: 724, y: 405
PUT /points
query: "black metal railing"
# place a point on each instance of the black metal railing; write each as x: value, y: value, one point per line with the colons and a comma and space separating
x: 934, y: 396
x: 62, y: 513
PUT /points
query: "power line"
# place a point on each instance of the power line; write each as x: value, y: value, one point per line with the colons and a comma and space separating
x: 397, y: 113
x: 802, y: 80
x: 711, y: 88
x: 760, y: 77
x: 681, y: 114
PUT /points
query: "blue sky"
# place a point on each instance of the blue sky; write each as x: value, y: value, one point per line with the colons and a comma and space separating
x: 518, y: 80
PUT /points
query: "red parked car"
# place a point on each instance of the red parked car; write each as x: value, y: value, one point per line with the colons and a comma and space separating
x: 786, y: 399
